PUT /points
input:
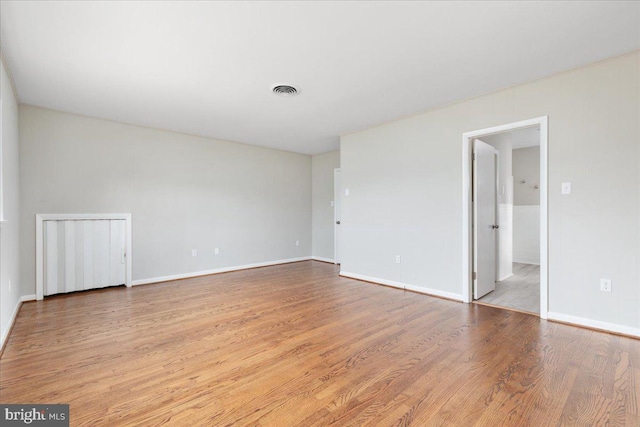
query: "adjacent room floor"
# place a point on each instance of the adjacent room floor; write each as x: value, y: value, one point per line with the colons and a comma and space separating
x: 297, y: 345
x: 520, y: 291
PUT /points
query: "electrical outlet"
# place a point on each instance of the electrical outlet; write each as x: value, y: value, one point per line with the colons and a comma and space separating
x: 297, y: 242
x: 194, y: 252
x: 397, y: 259
x: 605, y: 285
x: 216, y: 251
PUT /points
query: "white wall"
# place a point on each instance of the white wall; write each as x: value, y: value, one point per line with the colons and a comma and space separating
x: 322, y: 166
x: 405, y: 190
x: 526, y: 234
x: 184, y: 192
x: 526, y: 167
x: 9, y: 230
x: 505, y: 241
x: 526, y: 209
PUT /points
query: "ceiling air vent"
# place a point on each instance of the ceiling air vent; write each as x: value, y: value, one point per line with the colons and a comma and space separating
x: 285, y: 90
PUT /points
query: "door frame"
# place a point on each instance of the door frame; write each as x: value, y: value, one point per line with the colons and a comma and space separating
x: 467, y: 214
x: 40, y: 218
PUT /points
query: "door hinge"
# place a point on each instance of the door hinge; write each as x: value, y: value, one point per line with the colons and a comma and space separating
x: 475, y: 275
x: 474, y: 156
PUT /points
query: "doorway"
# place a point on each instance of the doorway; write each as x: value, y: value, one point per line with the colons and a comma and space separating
x: 517, y: 207
x: 70, y: 240
x: 505, y: 244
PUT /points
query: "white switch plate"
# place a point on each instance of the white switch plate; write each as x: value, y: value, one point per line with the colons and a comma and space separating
x: 216, y: 251
x: 397, y: 259
x: 346, y: 192
x: 566, y: 188
x: 297, y: 242
x: 332, y: 204
x: 194, y: 252
x: 605, y: 285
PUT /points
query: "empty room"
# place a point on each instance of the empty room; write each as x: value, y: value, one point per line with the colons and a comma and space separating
x: 373, y: 213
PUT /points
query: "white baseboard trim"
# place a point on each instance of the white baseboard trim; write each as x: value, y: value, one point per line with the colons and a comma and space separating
x: 526, y: 261
x: 596, y: 324
x: 372, y: 279
x: 318, y: 258
x: 12, y: 319
x: 505, y: 277
x: 405, y: 286
x: 215, y: 271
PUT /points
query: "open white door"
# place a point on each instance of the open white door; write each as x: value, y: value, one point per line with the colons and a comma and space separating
x: 484, y: 213
x: 337, y: 215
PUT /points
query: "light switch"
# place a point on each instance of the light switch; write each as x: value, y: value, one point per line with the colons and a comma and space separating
x: 332, y: 204
x: 566, y: 188
x: 346, y: 192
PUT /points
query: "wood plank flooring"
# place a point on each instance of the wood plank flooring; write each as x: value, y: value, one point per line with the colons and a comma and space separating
x: 296, y: 345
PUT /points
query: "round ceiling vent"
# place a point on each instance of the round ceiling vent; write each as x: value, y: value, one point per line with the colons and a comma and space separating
x: 284, y: 89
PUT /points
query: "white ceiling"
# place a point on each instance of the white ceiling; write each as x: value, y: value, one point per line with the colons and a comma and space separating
x: 206, y: 68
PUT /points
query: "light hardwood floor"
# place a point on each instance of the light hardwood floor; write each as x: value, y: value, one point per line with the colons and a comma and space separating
x: 296, y: 345
x: 520, y: 291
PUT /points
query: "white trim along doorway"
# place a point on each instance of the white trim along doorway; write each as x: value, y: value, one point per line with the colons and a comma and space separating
x: 467, y: 214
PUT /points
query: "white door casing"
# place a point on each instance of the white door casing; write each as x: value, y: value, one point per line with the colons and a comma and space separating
x: 467, y: 213
x: 485, y: 218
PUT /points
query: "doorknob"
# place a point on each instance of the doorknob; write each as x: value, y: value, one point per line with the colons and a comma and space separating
x: 338, y: 222
x: 494, y: 226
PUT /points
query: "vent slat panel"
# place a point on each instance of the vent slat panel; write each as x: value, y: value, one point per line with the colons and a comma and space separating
x: 285, y: 90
